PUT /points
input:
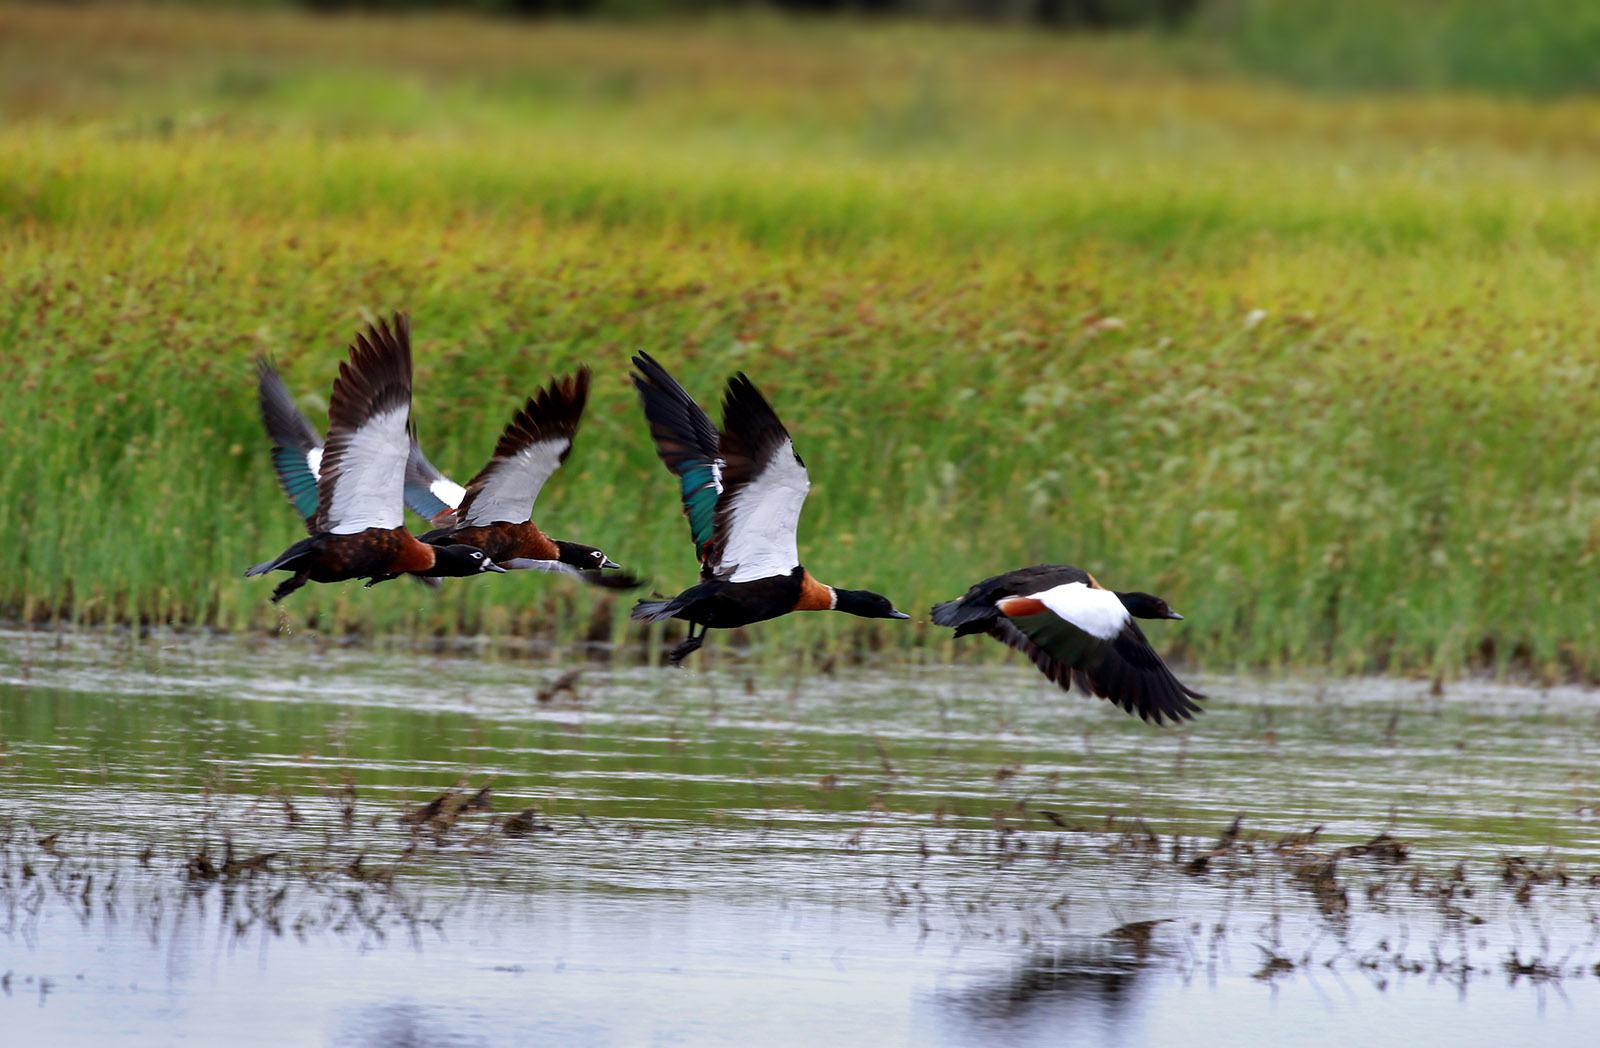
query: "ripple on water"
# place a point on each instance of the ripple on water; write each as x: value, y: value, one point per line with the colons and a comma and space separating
x: 933, y: 855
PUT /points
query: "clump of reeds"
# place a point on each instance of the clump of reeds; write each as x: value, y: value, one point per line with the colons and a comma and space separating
x: 1329, y: 400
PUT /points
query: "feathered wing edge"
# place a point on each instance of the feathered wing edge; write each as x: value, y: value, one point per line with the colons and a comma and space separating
x: 551, y: 414
x: 294, y: 439
x: 422, y: 488
x: 1131, y: 668
x: 1128, y: 673
x: 375, y: 379
x: 688, y: 444
x: 555, y: 410
x: 752, y: 435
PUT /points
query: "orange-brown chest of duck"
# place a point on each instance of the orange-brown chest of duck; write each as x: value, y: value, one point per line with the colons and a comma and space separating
x: 505, y: 540
x: 814, y: 596
x: 376, y: 551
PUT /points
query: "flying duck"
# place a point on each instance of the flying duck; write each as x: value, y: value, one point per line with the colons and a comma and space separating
x: 357, y: 529
x: 1073, y: 629
x: 742, y: 490
x: 498, y: 518
x: 495, y: 510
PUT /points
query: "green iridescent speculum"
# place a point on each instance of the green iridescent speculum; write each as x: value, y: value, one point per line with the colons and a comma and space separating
x: 298, y: 480
x: 699, y: 485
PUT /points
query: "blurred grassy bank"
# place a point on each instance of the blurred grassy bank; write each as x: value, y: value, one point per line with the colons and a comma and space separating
x: 1320, y: 371
x: 1522, y: 47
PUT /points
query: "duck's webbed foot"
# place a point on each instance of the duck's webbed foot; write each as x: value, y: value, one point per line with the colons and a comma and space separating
x: 377, y: 579
x: 690, y: 644
x: 289, y: 585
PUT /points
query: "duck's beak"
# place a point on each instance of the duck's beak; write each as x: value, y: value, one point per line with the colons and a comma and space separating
x: 896, y: 614
x: 490, y: 565
x: 1172, y: 614
x: 609, y: 563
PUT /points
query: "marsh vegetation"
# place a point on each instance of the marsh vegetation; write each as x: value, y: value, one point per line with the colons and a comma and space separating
x: 1312, y: 367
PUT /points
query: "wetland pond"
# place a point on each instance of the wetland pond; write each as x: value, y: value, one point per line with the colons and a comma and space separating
x: 230, y: 842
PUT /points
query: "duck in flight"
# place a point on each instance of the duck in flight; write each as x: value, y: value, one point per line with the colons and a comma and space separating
x: 742, y: 490
x: 357, y: 529
x: 1074, y: 630
x: 494, y: 511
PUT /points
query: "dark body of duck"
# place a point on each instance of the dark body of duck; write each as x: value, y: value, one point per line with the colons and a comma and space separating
x: 743, y: 488
x: 1074, y: 629
x: 357, y: 530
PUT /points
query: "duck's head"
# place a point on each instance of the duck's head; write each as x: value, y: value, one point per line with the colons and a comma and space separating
x: 584, y: 558
x: 456, y: 561
x: 867, y: 604
x: 1147, y: 606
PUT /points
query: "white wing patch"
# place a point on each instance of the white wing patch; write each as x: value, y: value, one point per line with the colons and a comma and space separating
x: 314, y: 460
x: 765, y: 517
x: 369, y: 491
x: 1096, y: 612
x: 448, y: 491
x: 511, y: 485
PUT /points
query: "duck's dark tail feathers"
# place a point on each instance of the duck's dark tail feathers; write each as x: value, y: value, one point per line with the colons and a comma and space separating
x: 655, y: 610
x: 287, y: 560
x: 965, y: 617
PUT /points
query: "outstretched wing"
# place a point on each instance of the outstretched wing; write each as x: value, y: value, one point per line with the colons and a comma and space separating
x: 296, y: 447
x: 364, y: 464
x: 687, y: 442
x: 764, y: 486
x: 533, y: 446
x: 1075, y: 631
x: 430, y: 494
x: 1132, y: 675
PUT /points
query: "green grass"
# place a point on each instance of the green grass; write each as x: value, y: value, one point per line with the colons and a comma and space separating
x: 1001, y: 289
x: 1527, y: 47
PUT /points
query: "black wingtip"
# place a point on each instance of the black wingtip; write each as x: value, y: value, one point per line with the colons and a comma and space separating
x: 283, y: 420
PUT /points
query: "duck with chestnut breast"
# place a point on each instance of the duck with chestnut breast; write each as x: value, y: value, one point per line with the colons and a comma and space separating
x: 495, y: 510
x: 358, y: 528
x: 742, y: 489
x: 533, y: 446
x: 1073, y: 629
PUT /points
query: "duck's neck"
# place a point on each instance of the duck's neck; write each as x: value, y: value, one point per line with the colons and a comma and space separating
x: 815, y: 596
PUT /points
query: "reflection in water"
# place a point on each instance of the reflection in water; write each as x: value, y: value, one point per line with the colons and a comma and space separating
x: 1085, y: 992
x: 400, y: 1024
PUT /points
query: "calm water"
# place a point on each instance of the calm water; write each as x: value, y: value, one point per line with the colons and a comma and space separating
x: 927, y: 856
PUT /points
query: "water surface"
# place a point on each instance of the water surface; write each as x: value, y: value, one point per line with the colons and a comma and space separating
x: 765, y: 853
